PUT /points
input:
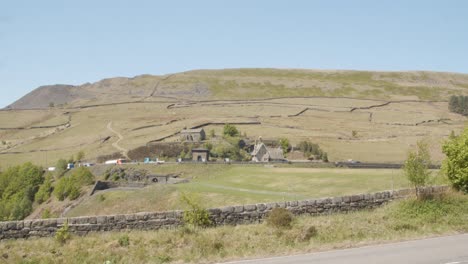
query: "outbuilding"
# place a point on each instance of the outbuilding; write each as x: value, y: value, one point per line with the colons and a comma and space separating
x: 192, y: 135
x: 200, y: 154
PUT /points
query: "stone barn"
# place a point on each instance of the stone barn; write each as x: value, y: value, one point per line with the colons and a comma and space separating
x: 262, y: 153
x: 200, y: 154
x: 192, y: 135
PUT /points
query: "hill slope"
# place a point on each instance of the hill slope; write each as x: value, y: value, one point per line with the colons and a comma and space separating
x: 367, y: 116
x: 251, y: 83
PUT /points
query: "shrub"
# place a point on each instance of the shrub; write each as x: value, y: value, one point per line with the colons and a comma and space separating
x: 308, y: 233
x: 46, y: 214
x: 63, y: 234
x: 279, y: 218
x: 455, y: 165
x: 196, y: 215
x: 416, y: 166
x: 124, y: 241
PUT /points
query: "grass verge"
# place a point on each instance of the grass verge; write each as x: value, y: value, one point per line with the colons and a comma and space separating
x: 400, y: 220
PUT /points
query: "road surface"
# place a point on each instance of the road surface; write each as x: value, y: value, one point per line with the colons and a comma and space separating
x: 441, y: 250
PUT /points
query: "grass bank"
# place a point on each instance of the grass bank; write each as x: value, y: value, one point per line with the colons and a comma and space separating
x: 221, y: 185
x: 400, y: 220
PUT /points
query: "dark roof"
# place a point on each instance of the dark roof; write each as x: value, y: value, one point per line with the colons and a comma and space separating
x: 200, y: 150
x: 196, y: 130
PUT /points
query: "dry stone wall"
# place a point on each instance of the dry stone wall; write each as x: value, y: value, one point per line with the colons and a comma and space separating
x: 229, y: 215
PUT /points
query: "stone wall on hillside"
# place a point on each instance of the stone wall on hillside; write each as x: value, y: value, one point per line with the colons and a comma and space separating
x: 232, y: 215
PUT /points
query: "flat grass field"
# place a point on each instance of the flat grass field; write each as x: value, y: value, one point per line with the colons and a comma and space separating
x: 221, y: 185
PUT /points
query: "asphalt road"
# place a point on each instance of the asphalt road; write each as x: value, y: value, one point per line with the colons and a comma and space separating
x: 440, y: 250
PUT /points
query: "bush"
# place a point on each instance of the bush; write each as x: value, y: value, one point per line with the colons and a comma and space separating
x: 279, y: 218
x: 46, y: 214
x: 63, y: 234
x: 416, y: 167
x: 455, y: 165
x: 196, y: 215
x: 308, y: 233
x: 124, y: 241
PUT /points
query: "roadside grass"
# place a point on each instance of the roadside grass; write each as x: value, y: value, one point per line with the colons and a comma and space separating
x: 222, y: 185
x: 397, y: 221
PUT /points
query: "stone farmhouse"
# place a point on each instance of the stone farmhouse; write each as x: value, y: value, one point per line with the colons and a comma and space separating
x: 192, y: 135
x: 262, y: 153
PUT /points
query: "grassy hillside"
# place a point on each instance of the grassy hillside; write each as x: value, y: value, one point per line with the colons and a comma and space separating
x: 387, y: 111
x: 221, y: 185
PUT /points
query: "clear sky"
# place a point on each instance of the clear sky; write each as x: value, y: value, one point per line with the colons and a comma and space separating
x: 73, y: 42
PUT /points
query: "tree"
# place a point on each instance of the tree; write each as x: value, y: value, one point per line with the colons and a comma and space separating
x: 51, y: 104
x: 230, y: 130
x: 212, y: 134
x: 18, y: 186
x: 455, y: 166
x: 417, y: 165
x: 80, y: 155
x: 284, y: 143
x: 60, y: 167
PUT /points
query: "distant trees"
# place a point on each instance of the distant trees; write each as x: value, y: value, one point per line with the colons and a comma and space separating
x: 312, y: 150
x: 459, y: 104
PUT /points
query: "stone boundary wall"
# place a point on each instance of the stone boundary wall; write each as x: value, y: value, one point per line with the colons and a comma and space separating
x: 231, y: 215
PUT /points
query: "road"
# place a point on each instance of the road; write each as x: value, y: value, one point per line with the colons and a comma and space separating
x: 440, y: 250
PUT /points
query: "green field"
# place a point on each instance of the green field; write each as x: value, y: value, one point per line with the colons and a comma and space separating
x: 220, y: 185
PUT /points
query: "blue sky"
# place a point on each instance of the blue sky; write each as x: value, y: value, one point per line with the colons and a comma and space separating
x: 73, y: 42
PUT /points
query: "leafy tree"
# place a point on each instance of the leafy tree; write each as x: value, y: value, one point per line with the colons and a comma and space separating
x: 60, y: 167
x: 417, y: 165
x: 18, y: 186
x: 312, y: 149
x: 51, y: 104
x: 44, y: 190
x: 230, y: 130
x: 196, y: 215
x: 285, y: 146
x: 212, y: 134
x: 459, y: 104
x: 455, y: 165
x: 80, y: 155
x: 70, y: 186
